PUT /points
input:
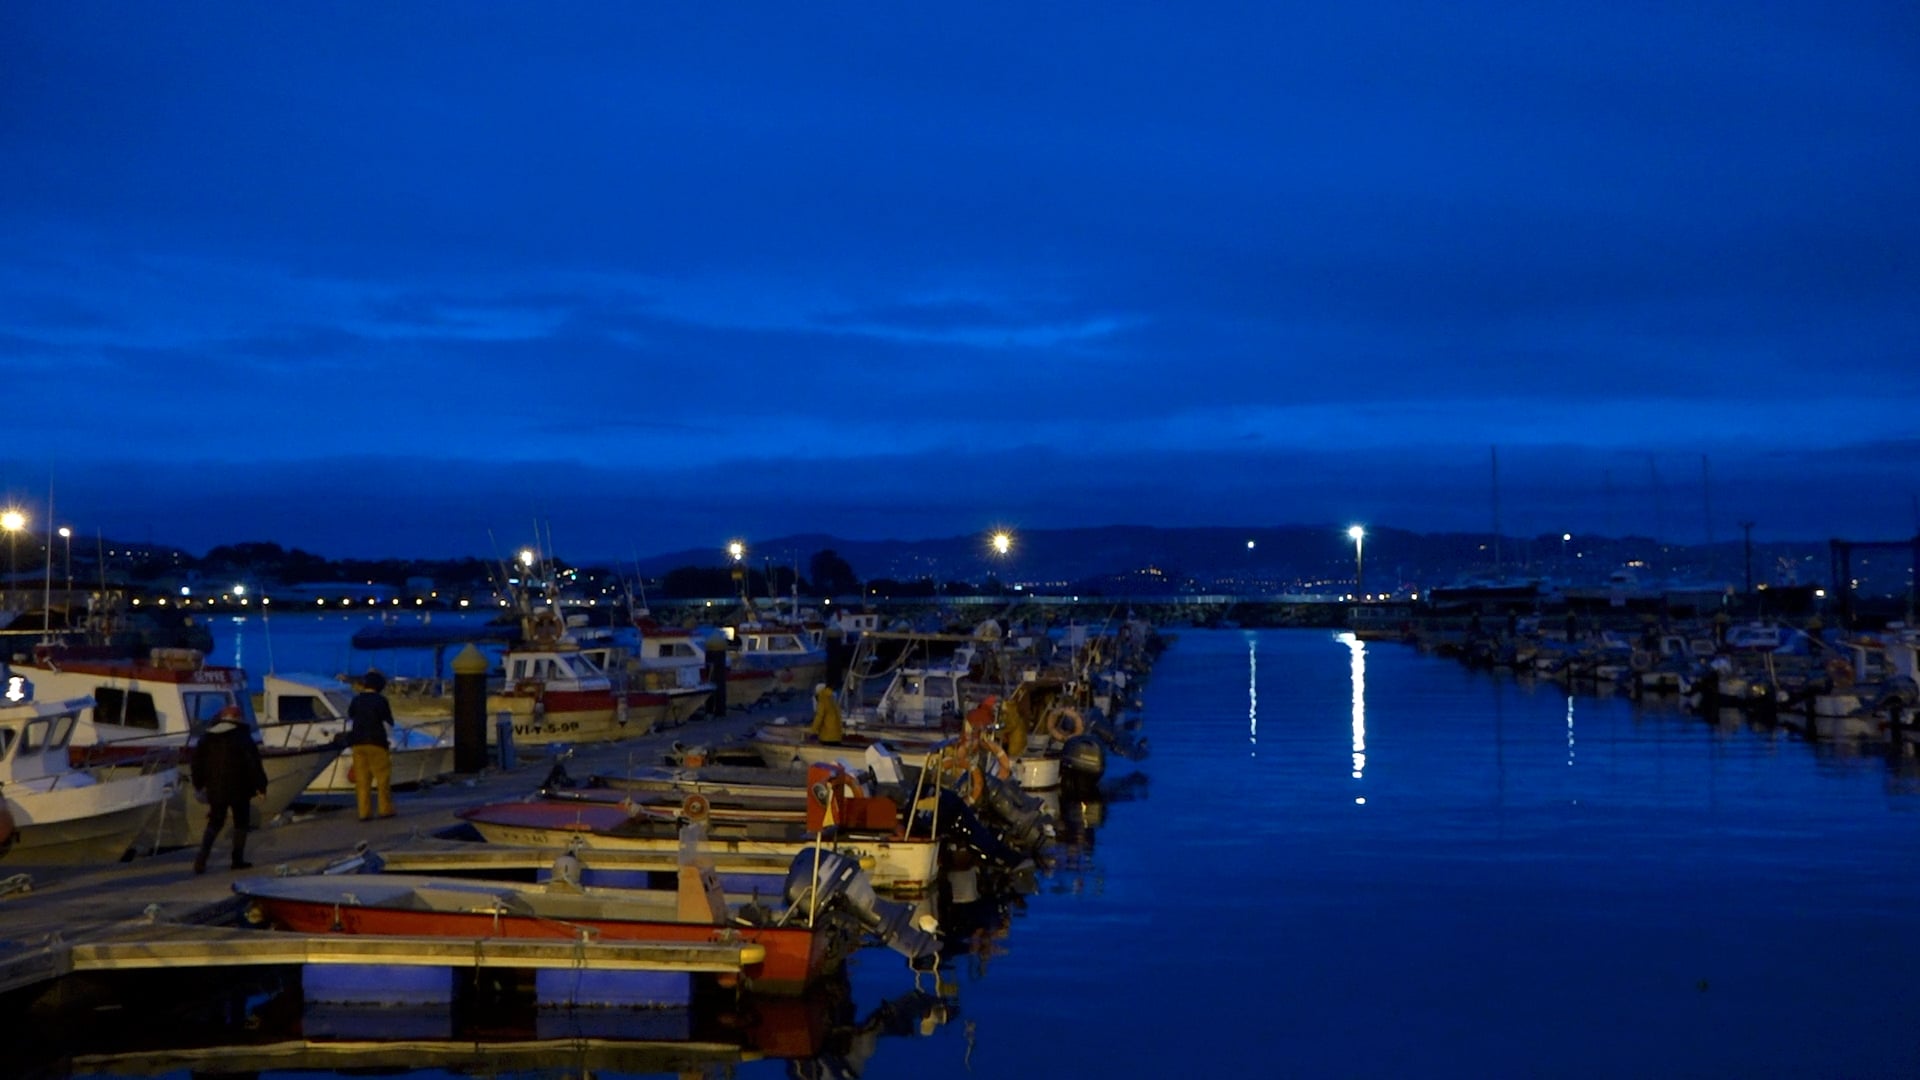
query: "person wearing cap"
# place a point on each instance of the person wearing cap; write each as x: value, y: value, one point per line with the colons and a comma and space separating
x: 227, y: 773
x: 367, y: 738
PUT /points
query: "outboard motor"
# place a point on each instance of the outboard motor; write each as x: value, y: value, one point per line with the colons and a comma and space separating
x: 1021, y: 817
x: 957, y: 819
x: 844, y: 885
x: 1085, y: 756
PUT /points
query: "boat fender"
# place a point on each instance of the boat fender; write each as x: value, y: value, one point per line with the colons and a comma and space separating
x: 1064, y: 724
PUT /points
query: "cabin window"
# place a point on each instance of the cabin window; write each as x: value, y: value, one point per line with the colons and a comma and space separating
x: 128, y: 708
x: 62, y: 729
x: 519, y: 670
x: 202, y: 708
x: 940, y: 686
x: 299, y: 707
x: 34, y: 738
x: 6, y: 740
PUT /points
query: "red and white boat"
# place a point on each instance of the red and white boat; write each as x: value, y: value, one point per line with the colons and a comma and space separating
x: 157, y: 706
x: 828, y: 909
x: 865, y: 827
x: 552, y: 690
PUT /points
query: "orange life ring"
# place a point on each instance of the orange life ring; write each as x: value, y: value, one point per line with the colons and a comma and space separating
x: 695, y: 807
x: 1074, y: 724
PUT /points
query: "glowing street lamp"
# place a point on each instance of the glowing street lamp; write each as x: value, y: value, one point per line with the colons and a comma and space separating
x: 66, y: 535
x: 736, y: 550
x: 1002, y: 542
x: 12, y: 521
x: 1357, y: 535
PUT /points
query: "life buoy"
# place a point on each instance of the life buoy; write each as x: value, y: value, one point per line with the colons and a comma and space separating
x: 1840, y: 672
x: 546, y: 627
x: 695, y: 807
x: 957, y: 765
x: 1064, y: 724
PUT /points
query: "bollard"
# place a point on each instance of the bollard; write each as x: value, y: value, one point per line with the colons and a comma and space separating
x: 717, y: 672
x: 469, y: 711
x: 839, y: 658
x: 503, y: 733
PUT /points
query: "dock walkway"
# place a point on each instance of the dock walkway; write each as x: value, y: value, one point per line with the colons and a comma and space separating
x: 66, y: 918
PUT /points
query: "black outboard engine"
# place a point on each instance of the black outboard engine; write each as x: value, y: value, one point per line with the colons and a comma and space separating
x: 957, y: 819
x: 844, y: 885
x: 1022, y: 818
x: 1085, y: 756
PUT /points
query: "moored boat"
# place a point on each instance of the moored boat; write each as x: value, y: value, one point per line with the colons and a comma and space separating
x: 311, y: 710
x: 155, y: 708
x: 51, y: 811
x: 827, y: 909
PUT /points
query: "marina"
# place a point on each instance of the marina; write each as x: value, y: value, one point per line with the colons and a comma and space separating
x: 1514, y: 869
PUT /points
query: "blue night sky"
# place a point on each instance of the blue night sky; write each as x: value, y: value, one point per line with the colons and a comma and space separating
x: 391, y: 279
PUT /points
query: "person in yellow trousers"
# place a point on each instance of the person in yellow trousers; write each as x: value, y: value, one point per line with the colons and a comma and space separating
x: 826, y: 724
x: 372, y: 719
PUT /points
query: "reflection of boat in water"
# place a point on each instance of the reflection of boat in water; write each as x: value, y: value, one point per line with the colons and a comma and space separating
x: 258, y: 1029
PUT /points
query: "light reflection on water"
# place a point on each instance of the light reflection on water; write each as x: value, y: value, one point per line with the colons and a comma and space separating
x: 1693, y: 899
x: 1357, y: 673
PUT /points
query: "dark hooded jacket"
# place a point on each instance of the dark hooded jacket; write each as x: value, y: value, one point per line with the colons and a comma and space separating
x: 226, y: 764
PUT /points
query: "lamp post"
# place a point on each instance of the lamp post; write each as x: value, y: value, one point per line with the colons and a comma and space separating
x: 1358, y: 535
x: 1002, y: 542
x: 12, y: 521
x: 66, y: 537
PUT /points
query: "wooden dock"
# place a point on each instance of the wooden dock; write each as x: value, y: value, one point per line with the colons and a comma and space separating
x: 153, y: 911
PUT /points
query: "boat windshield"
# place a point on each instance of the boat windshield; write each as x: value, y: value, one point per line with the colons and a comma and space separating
x: 203, y: 706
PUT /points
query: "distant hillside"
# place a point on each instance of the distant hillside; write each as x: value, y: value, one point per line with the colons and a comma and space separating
x: 1145, y: 558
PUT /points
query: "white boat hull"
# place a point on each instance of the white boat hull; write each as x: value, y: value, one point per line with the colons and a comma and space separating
x: 96, y: 822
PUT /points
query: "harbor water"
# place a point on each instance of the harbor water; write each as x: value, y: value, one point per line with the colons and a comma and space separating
x: 1351, y: 859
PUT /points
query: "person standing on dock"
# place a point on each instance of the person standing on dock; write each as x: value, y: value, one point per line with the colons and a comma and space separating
x: 372, y: 764
x: 227, y: 774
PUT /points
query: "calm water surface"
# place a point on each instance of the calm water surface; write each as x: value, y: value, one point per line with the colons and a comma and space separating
x: 1357, y: 860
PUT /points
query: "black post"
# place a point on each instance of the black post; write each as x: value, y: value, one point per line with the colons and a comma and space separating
x: 1746, y: 527
x: 469, y: 711
x: 717, y: 672
x: 839, y: 658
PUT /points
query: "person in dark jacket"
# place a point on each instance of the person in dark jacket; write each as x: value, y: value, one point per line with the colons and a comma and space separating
x: 227, y: 774
x: 367, y: 737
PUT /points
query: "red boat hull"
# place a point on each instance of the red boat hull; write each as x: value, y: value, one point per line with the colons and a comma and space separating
x: 796, y: 956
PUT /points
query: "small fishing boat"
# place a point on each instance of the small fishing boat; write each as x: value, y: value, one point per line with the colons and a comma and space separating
x: 311, y: 710
x: 155, y: 707
x: 53, y: 812
x: 866, y: 827
x: 827, y: 910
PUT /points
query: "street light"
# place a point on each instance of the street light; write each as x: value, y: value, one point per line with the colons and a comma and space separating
x: 1358, y: 534
x: 66, y: 535
x: 1002, y: 542
x: 12, y: 521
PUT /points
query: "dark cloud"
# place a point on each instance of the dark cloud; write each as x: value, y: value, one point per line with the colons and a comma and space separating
x: 1302, y: 260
